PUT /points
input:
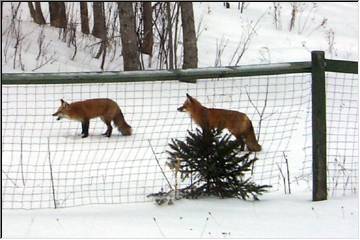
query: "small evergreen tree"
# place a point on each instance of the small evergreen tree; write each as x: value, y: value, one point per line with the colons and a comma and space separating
x: 214, y: 164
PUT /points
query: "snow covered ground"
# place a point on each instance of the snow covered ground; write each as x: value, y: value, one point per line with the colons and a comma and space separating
x: 275, y: 216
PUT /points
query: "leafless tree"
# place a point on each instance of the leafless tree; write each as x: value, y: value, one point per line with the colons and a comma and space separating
x: 14, y: 32
x: 99, y: 29
x: 19, y: 37
x: 72, y: 41
x: 248, y: 33
x: 177, y: 13
x: 113, y: 32
x: 242, y: 6
x: 40, y: 41
x: 294, y: 10
x: 277, y: 15
x: 57, y: 14
x: 32, y: 11
x: 170, y: 34
x: 10, y: 31
x: 189, y: 36
x: 330, y: 37
x: 161, y: 34
x: 128, y: 36
x: 148, y: 36
x: 36, y: 13
x: 166, y: 27
x: 84, y: 18
x: 220, y: 47
x: 42, y: 58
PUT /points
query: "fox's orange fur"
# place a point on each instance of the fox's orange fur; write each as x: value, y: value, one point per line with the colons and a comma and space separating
x: 236, y: 122
x: 83, y: 111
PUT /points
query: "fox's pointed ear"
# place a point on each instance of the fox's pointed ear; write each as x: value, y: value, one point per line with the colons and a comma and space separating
x: 63, y: 103
x: 189, y: 97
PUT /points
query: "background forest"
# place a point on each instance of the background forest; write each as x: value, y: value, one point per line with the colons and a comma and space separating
x: 80, y: 36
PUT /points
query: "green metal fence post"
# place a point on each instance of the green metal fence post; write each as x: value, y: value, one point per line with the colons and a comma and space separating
x: 318, y: 126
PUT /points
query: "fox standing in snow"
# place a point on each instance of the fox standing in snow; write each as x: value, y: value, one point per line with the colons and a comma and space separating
x: 83, y: 111
x: 236, y: 122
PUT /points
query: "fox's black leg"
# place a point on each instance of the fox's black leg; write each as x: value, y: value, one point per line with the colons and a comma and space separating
x: 242, y: 144
x: 85, y: 128
x: 82, y: 128
x: 109, y: 128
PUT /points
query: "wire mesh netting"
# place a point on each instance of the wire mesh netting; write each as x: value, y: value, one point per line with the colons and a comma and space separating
x: 47, y: 164
x: 342, y: 134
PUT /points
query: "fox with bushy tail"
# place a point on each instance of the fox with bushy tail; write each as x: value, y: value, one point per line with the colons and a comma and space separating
x: 82, y: 111
x: 237, y: 123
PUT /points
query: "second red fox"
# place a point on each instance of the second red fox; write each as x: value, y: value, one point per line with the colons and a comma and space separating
x: 83, y: 111
x: 236, y: 122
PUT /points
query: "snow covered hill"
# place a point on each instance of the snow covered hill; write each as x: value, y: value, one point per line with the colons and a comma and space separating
x: 331, y: 27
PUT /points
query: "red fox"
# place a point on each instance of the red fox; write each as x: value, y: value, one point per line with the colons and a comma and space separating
x: 236, y: 122
x: 83, y: 111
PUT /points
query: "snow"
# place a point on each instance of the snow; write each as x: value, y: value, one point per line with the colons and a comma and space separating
x: 276, y: 215
x: 271, y: 45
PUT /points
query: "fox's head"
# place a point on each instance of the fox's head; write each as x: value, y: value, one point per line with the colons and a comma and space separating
x: 62, y: 110
x: 189, y: 105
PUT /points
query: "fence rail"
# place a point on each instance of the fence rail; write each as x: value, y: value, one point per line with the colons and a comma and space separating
x: 341, y: 66
x: 181, y: 74
x: 155, y: 75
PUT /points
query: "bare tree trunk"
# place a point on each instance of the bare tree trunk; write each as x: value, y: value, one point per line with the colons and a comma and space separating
x: 32, y: 11
x: 242, y: 7
x: 148, y: 39
x: 84, y: 18
x: 57, y: 14
x: 176, y: 34
x: 189, y: 36
x: 39, y: 14
x: 277, y: 15
x: 170, y: 40
x: 99, y: 29
x: 128, y: 36
x: 36, y: 13
x: 293, y: 15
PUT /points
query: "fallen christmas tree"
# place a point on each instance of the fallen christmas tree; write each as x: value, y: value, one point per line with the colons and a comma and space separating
x: 214, y: 165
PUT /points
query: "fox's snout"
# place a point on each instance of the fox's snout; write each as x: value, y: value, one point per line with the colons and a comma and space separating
x: 62, y: 110
x: 57, y: 115
x: 181, y: 109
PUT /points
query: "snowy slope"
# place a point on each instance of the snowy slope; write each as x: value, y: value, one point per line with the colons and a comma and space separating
x: 216, y: 26
x: 271, y: 45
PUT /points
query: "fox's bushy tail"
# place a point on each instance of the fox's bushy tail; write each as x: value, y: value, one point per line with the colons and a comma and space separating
x: 251, y: 141
x: 121, y: 124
